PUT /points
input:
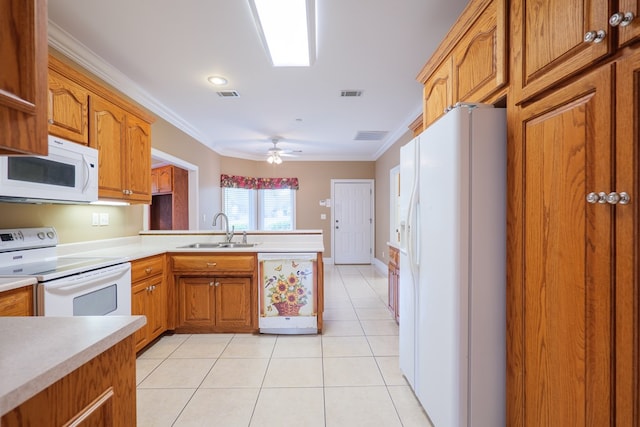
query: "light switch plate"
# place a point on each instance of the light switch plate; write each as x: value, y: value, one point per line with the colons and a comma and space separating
x: 95, y: 218
x: 104, y: 219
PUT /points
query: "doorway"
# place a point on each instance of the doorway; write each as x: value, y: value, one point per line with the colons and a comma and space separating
x: 352, y: 220
x: 160, y: 158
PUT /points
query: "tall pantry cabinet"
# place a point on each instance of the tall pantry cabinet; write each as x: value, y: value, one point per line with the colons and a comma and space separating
x: 573, y: 350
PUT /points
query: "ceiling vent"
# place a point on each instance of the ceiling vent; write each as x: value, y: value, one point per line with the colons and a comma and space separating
x: 228, y: 93
x: 371, y: 135
x: 350, y: 93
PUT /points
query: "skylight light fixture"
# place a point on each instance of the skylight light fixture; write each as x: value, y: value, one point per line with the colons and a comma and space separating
x: 287, y: 29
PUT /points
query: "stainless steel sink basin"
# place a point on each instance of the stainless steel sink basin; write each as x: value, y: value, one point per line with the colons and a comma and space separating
x: 218, y: 245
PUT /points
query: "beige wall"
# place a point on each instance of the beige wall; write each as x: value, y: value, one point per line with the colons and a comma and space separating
x: 384, y: 164
x: 315, y: 184
x: 171, y: 140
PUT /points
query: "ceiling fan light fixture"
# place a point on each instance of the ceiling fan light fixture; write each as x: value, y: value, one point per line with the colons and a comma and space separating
x: 274, y: 158
x: 287, y: 29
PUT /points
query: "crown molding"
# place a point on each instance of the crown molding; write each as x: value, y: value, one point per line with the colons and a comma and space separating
x: 73, y: 49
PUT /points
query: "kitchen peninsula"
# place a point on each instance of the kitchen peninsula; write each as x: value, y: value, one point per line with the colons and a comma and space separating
x: 196, y: 282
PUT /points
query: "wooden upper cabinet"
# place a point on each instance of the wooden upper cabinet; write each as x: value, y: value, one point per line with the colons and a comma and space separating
x: 470, y: 65
x: 23, y: 77
x: 479, y: 65
x: 549, y: 41
x: 437, y: 93
x: 68, y: 110
x: 138, y: 160
x: 162, y: 180
x: 107, y: 136
x: 629, y: 27
x: 124, y: 145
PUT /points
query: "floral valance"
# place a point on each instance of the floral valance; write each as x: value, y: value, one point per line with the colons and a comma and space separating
x: 232, y: 181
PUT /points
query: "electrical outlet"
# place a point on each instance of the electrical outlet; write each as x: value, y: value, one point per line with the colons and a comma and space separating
x: 95, y: 218
x: 104, y: 218
x: 323, y: 216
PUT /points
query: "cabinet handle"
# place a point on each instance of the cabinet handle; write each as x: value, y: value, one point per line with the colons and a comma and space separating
x: 622, y: 19
x: 614, y: 198
x: 210, y: 283
x: 211, y: 264
x: 50, y: 121
x: 216, y: 284
x: 595, y: 36
x: 148, y: 270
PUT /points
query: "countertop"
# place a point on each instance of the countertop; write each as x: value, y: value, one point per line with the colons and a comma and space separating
x: 8, y: 283
x: 158, y: 242
x: 55, y: 347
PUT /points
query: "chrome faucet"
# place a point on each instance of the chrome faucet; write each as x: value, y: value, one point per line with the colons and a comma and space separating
x: 228, y: 234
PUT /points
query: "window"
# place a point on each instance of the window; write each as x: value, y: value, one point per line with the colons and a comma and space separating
x: 267, y: 209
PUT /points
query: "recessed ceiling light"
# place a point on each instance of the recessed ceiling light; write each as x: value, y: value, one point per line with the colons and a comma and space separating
x: 217, y: 80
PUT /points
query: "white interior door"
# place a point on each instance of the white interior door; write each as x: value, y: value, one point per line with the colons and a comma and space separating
x: 352, y: 218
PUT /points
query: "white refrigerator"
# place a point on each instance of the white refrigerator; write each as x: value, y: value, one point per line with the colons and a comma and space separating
x: 453, y: 267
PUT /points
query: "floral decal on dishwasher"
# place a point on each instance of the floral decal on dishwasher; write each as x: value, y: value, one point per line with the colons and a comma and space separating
x: 288, y: 287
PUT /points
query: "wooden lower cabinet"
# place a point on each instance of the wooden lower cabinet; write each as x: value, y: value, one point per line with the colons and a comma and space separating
x: 17, y: 302
x: 215, y: 293
x: 102, y: 392
x: 394, y: 282
x: 215, y: 304
x: 149, y: 298
x: 560, y: 325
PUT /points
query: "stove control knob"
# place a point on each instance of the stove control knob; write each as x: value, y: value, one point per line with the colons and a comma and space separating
x: 50, y: 234
x: 40, y: 235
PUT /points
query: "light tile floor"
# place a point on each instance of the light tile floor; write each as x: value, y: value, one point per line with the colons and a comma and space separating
x: 348, y: 376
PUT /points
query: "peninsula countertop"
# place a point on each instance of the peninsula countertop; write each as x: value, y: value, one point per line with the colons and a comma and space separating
x: 35, y: 352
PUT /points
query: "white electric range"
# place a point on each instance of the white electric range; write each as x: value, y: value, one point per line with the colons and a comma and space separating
x: 67, y: 285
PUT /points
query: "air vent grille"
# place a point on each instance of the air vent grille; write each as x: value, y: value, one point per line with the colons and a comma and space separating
x: 228, y: 93
x: 351, y: 93
x: 371, y: 135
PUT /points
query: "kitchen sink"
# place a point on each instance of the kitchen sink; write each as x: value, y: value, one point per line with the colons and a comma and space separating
x: 219, y: 245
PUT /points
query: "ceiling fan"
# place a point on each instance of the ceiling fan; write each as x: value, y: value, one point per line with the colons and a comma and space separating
x: 275, y: 154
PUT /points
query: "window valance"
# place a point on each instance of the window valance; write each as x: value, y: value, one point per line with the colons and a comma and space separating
x: 233, y: 181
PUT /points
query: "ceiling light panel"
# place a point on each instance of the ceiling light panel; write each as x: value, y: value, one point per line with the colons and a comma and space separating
x: 287, y: 29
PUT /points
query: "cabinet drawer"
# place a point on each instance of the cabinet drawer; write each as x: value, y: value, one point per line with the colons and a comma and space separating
x: 213, y: 263
x: 146, y: 267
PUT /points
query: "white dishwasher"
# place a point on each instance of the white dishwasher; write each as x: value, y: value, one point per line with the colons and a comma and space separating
x: 287, y: 293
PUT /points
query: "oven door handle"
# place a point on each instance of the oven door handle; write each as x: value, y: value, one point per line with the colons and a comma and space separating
x: 79, y: 283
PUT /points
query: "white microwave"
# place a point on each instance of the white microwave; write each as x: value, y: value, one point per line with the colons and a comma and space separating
x: 68, y: 174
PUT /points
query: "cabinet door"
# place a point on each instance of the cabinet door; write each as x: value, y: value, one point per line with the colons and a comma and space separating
x: 437, y: 93
x: 627, y: 230
x: 233, y: 303
x: 157, y: 319
x: 629, y: 33
x: 195, y: 298
x: 549, y: 41
x: 138, y: 160
x: 479, y: 58
x: 107, y: 128
x: 23, y: 77
x: 560, y: 343
x: 68, y: 110
x: 165, y: 179
x: 139, y: 306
